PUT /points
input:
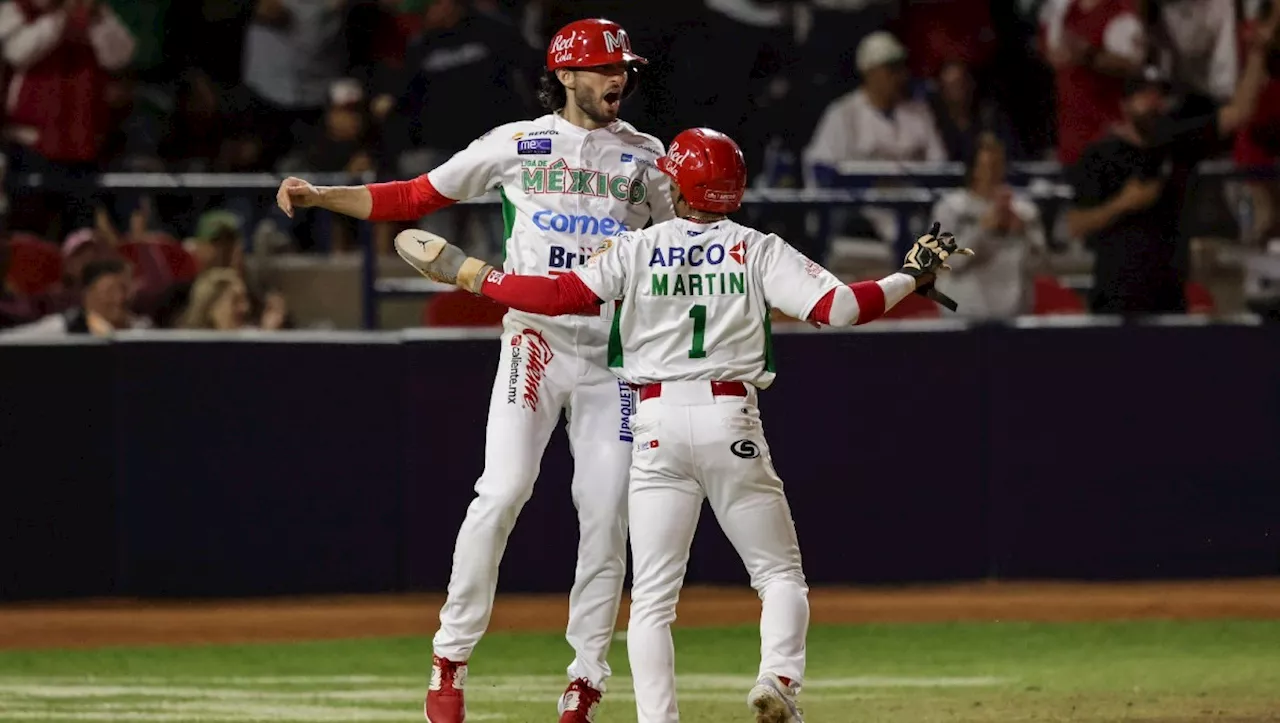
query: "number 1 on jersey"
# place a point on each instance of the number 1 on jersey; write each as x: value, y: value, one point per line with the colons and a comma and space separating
x: 699, y: 315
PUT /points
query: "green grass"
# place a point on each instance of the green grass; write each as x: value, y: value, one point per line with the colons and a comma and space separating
x: 1142, y: 671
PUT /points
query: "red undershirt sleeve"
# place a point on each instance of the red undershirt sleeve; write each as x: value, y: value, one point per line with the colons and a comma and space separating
x: 564, y: 294
x: 406, y: 200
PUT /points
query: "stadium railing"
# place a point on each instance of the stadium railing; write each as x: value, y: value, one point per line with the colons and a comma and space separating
x: 848, y: 185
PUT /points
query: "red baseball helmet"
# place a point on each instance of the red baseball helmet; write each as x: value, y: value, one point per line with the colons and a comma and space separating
x: 588, y: 43
x: 708, y: 168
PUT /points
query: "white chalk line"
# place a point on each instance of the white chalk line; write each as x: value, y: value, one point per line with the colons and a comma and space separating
x: 242, y: 713
x: 73, y: 686
x: 208, y: 699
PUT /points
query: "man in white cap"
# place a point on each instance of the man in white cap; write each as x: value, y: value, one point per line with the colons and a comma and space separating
x: 876, y: 122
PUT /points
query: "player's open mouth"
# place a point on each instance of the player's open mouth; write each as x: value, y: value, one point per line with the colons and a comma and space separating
x: 613, y: 97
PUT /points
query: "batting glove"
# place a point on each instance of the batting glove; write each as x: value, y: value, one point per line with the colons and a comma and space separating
x: 929, y: 253
x: 439, y: 260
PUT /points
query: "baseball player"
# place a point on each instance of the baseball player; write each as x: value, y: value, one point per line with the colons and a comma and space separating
x: 693, y: 338
x: 568, y: 180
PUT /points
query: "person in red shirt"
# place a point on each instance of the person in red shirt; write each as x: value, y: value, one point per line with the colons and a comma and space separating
x: 1093, y: 45
x: 1257, y: 144
x: 63, y: 54
x: 944, y: 31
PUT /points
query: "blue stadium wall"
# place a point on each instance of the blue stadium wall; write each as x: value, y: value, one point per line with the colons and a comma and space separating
x: 162, y: 468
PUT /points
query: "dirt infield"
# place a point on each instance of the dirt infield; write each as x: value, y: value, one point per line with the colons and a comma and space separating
x: 116, y: 622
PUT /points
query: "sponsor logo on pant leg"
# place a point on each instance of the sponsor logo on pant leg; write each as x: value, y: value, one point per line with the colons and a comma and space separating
x: 513, y: 374
x: 745, y: 449
x: 627, y: 403
x: 540, y: 355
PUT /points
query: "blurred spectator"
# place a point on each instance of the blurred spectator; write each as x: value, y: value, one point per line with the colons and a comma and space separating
x: 343, y: 143
x: 876, y: 122
x: 294, y: 50
x: 1093, y: 45
x: 80, y: 248
x: 459, y: 51
x: 963, y: 118
x: 462, y: 59
x: 219, y: 301
x: 219, y: 244
x: 103, y: 307
x: 939, y: 31
x: 62, y: 53
x: 1257, y: 145
x: 1129, y: 207
x: 1196, y: 44
x: 1004, y: 229
x: 219, y: 241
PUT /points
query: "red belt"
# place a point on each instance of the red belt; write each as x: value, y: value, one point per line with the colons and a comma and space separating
x: 718, y: 389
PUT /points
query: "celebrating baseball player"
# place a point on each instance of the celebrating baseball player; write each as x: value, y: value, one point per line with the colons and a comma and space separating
x: 692, y: 335
x: 568, y: 180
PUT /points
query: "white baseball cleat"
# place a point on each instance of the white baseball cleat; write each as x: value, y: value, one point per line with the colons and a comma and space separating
x: 773, y: 701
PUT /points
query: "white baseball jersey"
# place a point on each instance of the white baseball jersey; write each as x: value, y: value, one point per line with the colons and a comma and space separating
x: 564, y: 190
x: 696, y: 300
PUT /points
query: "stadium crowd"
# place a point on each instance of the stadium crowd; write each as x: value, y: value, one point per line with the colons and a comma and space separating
x: 390, y: 88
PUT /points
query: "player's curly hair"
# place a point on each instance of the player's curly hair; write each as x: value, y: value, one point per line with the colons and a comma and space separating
x: 551, y: 93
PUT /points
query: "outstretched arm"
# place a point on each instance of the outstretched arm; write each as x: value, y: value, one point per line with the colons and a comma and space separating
x: 865, y: 301
x: 564, y: 294
x: 392, y: 201
x: 439, y: 260
x: 468, y: 173
x: 803, y: 289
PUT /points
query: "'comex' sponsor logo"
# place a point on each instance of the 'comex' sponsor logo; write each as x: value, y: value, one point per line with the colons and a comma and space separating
x: 585, y: 225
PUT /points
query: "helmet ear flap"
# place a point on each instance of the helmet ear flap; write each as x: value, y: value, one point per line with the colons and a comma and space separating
x: 633, y: 80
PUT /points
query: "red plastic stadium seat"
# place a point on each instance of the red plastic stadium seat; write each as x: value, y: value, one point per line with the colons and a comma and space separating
x: 34, y: 264
x: 1051, y: 297
x: 461, y: 308
x: 1199, y: 299
x: 160, y: 260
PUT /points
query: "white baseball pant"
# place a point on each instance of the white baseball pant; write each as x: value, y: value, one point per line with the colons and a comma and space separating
x: 690, y: 444
x: 544, y: 370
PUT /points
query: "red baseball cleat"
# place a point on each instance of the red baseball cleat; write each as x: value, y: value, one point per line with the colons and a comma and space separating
x: 578, y: 704
x: 445, y: 703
